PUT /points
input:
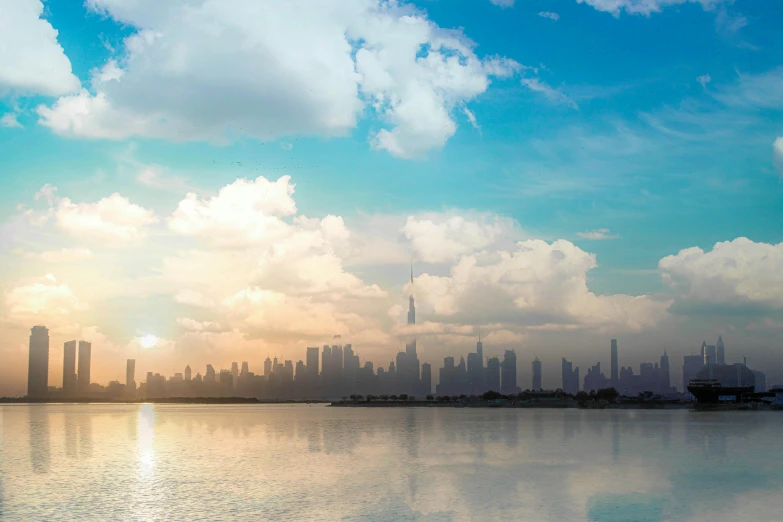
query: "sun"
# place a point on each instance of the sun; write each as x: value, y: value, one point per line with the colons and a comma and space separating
x: 148, y: 341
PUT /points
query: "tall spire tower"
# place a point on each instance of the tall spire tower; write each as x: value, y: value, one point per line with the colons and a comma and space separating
x: 410, y: 347
x: 411, y: 304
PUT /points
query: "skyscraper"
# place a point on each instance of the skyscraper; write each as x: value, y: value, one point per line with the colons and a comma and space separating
x: 38, y: 363
x: 665, y: 377
x: 69, y: 368
x: 492, y: 375
x: 130, y: 377
x: 721, y: 355
x: 312, y: 364
x: 615, y: 367
x: 234, y: 374
x: 188, y: 373
x: 536, y: 374
x: 570, y: 377
x: 426, y: 379
x: 267, y: 366
x: 508, y: 373
x: 85, y: 356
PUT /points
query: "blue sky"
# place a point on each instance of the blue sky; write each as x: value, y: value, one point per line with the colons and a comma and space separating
x: 631, y: 129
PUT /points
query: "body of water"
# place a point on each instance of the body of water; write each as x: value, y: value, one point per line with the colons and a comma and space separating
x: 276, y: 462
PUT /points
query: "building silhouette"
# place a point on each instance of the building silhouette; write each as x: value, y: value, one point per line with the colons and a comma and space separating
x: 492, y: 375
x: 508, y: 373
x: 614, y: 364
x: 38, y: 363
x: 85, y: 356
x: 69, y: 369
x: 720, y: 354
x: 570, y: 377
x: 536, y: 374
x: 130, y: 377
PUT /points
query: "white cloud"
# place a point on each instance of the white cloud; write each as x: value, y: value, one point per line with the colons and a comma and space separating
x: 550, y: 15
x: 704, y: 79
x: 31, y: 60
x: 777, y: 155
x: 597, y: 234
x: 64, y: 255
x: 537, y: 283
x: 734, y: 273
x: 439, y: 238
x: 471, y: 118
x: 184, y: 73
x: 503, y: 3
x: 113, y: 218
x: 642, y: 7
x: 40, y: 299
x: 243, y: 213
x: 9, y: 121
x: 550, y: 93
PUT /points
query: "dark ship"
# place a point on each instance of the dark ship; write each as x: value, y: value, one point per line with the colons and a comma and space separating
x: 711, y: 391
x: 722, y: 384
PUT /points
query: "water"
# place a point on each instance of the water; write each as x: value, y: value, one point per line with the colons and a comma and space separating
x: 152, y: 462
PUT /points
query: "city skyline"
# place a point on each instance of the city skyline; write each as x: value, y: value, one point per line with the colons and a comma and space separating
x: 550, y: 193
x: 338, y: 371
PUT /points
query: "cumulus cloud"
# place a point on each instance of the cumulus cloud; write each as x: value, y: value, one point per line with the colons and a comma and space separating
x: 642, y: 7
x: 537, y: 283
x: 113, y: 218
x: 777, y: 155
x: 550, y: 15
x: 439, y: 238
x: 549, y: 92
x: 9, y: 121
x: 734, y: 274
x: 503, y: 3
x: 31, y: 59
x: 597, y: 234
x: 243, y: 213
x: 184, y: 74
x: 40, y: 299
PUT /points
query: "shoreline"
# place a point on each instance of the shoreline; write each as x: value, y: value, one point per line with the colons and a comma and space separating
x: 166, y: 400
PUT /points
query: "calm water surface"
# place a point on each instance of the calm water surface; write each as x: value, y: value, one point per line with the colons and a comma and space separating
x: 151, y: 462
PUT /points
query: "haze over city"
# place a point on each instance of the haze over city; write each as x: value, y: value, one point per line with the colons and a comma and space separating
x: 179, y: 198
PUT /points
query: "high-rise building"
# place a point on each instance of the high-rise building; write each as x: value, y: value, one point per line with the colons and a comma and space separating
x: 492, y: 375
x: 209, y: 376
x: 245, y: 369
x: 85, y: 357
x: 615, y: 366
x: 508, y: 373
x: 536, y: 374
x: 426, y: 379
x: 721, y: 351
x: 312, y: 364
x: 69, y: 368
x: 188, y: 373
x: 570, y: 376
x: 130, y: 377
x: 267, y: 366
x: 38, y: 363
x: 234, y: 373
x: 665, y: 377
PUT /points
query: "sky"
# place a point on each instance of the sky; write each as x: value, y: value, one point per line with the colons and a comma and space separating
x: 244, y: 179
